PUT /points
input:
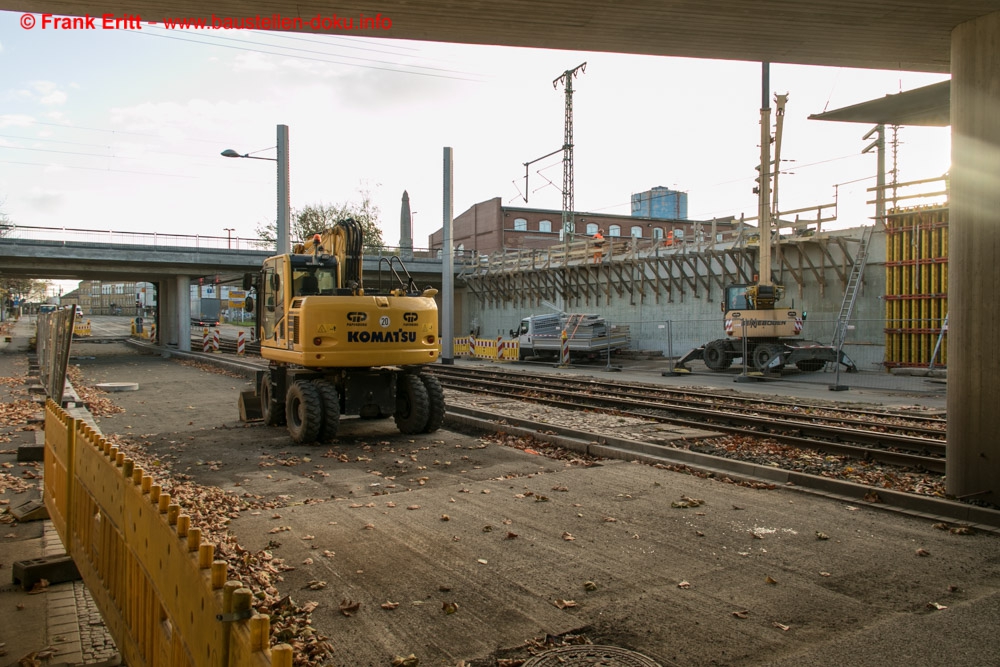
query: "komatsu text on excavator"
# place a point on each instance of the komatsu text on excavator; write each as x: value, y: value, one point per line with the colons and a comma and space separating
x: 336, y: 348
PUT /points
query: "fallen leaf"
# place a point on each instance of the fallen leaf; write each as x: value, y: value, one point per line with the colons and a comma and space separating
x: 684, y: 584
x: 485, y: 491
x: 348, y: 607
x: 610, y: 519
x: 389, y: 605
x: 328, y: 553
x: 936, y: 606
x: 961, y: 530
x: 770, y: 581
x: 445, y: 517
x: 568, y: 537
x: 565, y: 604
x: 413, y: 507
x: 559, y: 488
x: 511, y: 536
x: 822, y: 536
x: 824, y: 574
x: 923, y: 552
x: 449, y: 607
x: 741, y: 614
x: 687, y: 501
x: 589, y: 586
x: 307, y: 561
x: 481, y: 561
x: 369, y: 526
x: 781, y: 626
x: 316, y: 585
x: 308, y: 537
x: 409, y: 661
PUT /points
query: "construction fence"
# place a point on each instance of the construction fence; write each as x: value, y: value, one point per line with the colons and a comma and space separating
x: 163, y: 597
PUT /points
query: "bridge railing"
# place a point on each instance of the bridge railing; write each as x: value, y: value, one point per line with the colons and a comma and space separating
x: 69, y: 236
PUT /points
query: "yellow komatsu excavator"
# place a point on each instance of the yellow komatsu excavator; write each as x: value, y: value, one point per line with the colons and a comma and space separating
x: 336, y: 348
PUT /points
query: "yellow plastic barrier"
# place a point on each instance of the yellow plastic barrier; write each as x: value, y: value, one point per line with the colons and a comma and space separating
x: 164, y: 599
x: 81, y: 328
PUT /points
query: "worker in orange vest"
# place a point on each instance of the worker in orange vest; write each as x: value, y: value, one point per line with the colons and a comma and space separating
x: 598, y: 239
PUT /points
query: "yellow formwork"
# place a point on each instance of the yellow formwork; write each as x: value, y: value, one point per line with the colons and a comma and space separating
x: 916, y: 285
x: 163, y: 596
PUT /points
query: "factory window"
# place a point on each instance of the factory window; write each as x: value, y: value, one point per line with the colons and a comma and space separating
x: 545, y: 225
x: 657, y: 233
x: 614, y: 230
x: 591, y: 228
x: 520, y: 225
x: 637, y: 232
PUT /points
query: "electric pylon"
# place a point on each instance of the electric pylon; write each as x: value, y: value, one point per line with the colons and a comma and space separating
x: 566, y: 78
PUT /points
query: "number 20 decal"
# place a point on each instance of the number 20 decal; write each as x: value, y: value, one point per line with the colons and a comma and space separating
x: 383, y: 321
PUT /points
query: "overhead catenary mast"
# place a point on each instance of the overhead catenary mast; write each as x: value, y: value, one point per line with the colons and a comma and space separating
x: 566, y: 78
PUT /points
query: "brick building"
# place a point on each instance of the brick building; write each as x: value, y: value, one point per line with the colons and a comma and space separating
x: 98, y: 297
x: 490, y: 226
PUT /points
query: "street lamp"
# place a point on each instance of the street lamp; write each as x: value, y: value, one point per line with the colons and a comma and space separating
x: 284, y: 208
x: 229, y: 236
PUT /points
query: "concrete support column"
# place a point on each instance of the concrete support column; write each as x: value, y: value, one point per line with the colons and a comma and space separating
x: 183, y: 313
x: 166, y: 297
x: 973, y: 459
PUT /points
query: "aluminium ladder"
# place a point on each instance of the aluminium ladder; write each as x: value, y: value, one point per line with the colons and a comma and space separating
x: 853, y: 287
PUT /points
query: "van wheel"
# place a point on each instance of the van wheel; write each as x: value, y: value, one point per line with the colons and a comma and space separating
x: 412, y: 410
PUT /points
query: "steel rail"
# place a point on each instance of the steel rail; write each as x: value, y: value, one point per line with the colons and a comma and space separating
x: 831, y: 439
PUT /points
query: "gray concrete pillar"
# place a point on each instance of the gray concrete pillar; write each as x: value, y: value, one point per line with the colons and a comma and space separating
x: 973, y: 459
x: 183, y: 311
x: 166, y: 297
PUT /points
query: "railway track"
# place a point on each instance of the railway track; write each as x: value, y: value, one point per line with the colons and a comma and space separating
x: 911, y: 444
x: 914, y: 442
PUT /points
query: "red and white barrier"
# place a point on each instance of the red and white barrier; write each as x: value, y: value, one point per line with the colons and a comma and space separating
x: 564, y: 356
x: 241, y: 344
x: 472, y: 346
x: 215, y: 340
x: 152, y: 333
x: 206, y: 341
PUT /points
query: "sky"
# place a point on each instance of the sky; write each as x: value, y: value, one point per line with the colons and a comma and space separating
x: 123, y: 129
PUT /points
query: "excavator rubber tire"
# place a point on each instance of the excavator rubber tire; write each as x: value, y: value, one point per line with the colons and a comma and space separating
x: 762, y: 356
x: 304, y: 411
x: 435, y: 403
x: 412, y: 409
x: 330, y: 399
x: 715, y: 355
x: 271, y: 410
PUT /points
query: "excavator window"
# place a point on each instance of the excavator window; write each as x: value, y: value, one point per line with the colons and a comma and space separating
x: 309, y: 285
x: 736, y: 297
x: 314, y: 281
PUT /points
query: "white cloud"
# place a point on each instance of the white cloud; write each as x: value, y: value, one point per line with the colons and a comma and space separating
x: 15, y: 120
x: 42, y: 200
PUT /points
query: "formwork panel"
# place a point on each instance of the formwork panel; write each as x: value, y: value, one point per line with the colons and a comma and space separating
x: 916, y: 286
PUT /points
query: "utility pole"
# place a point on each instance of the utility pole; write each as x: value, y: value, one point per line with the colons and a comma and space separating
x: 566, y: 78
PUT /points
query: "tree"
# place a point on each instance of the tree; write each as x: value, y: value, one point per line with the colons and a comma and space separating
x: 315, y: 218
